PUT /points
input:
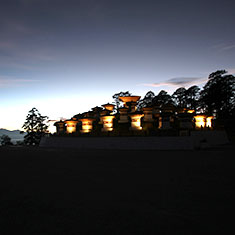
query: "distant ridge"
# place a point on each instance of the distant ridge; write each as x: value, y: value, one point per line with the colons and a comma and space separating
x: 14, y: 135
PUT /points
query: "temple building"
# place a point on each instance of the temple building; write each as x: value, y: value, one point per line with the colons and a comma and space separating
x: 71, y: 125
x: 128, y: 120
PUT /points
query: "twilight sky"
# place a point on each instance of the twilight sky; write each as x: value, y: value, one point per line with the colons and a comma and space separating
x: 66, y: 56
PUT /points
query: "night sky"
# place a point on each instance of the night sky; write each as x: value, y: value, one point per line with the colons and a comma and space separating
x: 65, y: 57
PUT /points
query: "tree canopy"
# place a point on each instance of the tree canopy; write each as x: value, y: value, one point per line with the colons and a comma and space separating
x: 35, y: 127
x: 162, y: 98
x: 217, y: 96
x: 179, y: 97
x: 186, y: 98
x: 5, y: 140
x: 192, y: 95
x: 147, y: 100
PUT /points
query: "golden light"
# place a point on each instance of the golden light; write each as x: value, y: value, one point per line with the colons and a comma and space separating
x: 108, y: 106
x: 71, y: 125
x: 126, y: 99
x: 209, y: 121
x: 107, y: 123
x: 160, y: 123
x: 200, y: 121
x: 191, y: 111
x: 136, y: 122
x: 132, y: 100
x: 86, y: 125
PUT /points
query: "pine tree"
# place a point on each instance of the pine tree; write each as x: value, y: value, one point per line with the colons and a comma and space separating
x: 146, y: 101
x: 179, y: 97
x: 35, y: 127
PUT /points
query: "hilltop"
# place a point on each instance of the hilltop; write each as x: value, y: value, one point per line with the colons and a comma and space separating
x: 15, y: 135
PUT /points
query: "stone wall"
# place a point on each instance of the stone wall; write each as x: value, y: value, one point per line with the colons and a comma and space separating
x: 197, y: 140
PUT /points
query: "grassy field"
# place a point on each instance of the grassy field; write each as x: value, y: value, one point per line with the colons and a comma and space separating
x: 49, y: 191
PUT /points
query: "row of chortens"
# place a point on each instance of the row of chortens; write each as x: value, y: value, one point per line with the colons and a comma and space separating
x: 126, y: 120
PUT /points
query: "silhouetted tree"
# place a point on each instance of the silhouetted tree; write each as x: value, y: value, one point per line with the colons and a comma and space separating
x: 35, y: 127
x: 162, y: 98
x: 217, y: 96
x: 117, y: 101
x: 192, y: 95
x: 5, y: 140
x: 179, y: 97
x: 146, y: 101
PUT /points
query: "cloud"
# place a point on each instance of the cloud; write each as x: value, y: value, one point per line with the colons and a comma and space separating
x: 227, y: 48
x: 179, y: 81
x: 231, y: 71
x: 183, y: 81
x: 26, y: 61
x: 10, y: 82
x: 224, y: 46
x: 13, y: 65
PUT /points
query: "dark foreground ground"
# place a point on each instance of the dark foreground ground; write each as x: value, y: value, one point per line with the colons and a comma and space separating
x: 49, y: 191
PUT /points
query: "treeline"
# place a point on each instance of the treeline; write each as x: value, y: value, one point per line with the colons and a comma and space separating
x: 216, y: 98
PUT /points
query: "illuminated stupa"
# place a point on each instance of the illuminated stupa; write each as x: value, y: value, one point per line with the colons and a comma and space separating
x: 86, y: 124
x: 127, y: 120
x: 71, y: 125
x: 203, y: 121
x: 129, y: 102
x: 135, y: 121
x: 108, y: 106
x: 107, y: 122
